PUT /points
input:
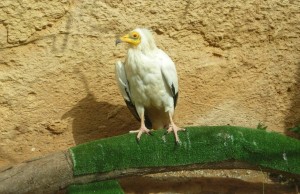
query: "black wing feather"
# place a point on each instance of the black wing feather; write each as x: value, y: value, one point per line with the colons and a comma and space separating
x: 175, y: 95
x: 172, y: 90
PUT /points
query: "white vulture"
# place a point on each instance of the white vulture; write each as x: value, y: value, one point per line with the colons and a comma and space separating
x: 148, y: 83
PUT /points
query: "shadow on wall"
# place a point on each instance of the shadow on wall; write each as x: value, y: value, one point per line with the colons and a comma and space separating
x: 293, y: 117
x: 94, y: 120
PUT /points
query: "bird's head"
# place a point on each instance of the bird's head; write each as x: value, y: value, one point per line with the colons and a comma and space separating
x: 133, y: 38
x: 140, y: 38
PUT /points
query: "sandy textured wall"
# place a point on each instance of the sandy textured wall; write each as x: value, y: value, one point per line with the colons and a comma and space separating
x: 238, y: 63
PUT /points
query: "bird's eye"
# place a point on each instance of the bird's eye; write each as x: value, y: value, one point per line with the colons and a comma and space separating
x: 134, y: 35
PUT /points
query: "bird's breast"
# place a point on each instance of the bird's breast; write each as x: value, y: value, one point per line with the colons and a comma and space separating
x: 146, y: 82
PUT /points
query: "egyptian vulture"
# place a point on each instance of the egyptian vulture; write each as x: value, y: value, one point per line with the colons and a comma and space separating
x: 148, y: 83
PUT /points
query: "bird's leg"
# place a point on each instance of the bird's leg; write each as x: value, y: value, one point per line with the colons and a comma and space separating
x: 174, y: 128
x: 143, y: 129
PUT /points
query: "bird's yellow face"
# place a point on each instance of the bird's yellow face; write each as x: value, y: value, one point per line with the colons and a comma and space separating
x: 133, y: 38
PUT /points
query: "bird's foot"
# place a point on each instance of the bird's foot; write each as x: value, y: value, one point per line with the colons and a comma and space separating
x: 140, y: 132
x: 175, y: 129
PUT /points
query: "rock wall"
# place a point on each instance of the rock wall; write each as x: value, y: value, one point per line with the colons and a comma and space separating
x: 238, y: 64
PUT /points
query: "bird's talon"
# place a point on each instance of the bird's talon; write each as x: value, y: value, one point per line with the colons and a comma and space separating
x: 137, y: 140
x: 150, y: 133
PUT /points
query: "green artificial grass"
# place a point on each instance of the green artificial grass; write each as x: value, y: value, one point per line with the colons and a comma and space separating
x: 295, y: 129
x: 104, y: 187
x: 198, y: 145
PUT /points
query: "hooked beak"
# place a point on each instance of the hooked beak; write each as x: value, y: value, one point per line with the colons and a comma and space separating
x: 124, y: 38
x: 118, y: 41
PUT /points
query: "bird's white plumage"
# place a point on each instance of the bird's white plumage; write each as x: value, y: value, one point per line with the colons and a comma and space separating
x: 122, y: 80
x: 148, y: 78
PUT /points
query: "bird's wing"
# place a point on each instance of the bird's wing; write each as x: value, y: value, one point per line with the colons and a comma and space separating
x: 122, y: 81
x: 169, y: 74
x: 125, y: 91
x: 124, y: 88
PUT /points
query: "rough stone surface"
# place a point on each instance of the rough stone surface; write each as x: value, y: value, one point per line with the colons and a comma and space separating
x: 238, y: 64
